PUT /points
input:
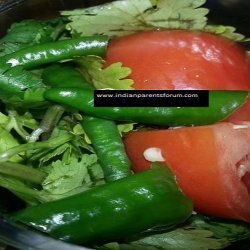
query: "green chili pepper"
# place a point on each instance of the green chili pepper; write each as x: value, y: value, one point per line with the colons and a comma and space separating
x: 103, y: 134
x: 221, y: 105
x: 56, y: 51
x: 108, y: 146
x: 113, y: 211
x: 20, y: 86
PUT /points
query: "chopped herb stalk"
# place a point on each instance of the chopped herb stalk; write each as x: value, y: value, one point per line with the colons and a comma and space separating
x: 51, y: 143
x: 22, y: 172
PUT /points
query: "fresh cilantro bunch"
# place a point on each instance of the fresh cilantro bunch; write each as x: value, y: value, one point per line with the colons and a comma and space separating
x: 43, y: 171
x: 124, y: 17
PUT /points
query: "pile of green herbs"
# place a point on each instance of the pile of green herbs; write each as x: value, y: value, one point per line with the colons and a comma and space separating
x: 42, y: 167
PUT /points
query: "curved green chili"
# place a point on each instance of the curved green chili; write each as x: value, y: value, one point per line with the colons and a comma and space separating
x: 103, y: 134
x: 18, y: 85
x: 221, y: 105
x: 113, y: 211
x: 108, y: 146
x: 44, y: 53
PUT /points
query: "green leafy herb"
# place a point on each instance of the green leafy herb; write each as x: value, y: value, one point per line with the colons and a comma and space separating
x: 226, y: 31
x: 8, y: 141
x: 228, y: 230
x: 198, y: 233
x: 111, y: 77
x: 124, y: 17
x: 14, y: 123
x: 29, y: 32
x: 27, y: 86
x: 18, y: 123
x: 63, y: 178
x: 43, y: 171
x: 15, y: 81
x: 78, y: 129
x: 179, y: 239
x: 125, y: 127
x: 73, y: 148
x: 154, y: 2
x: 128, y: 16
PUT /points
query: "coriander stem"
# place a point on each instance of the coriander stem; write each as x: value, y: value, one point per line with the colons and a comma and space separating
x: 50, y: 120
x: 22, y: 172
x: 51, y: 143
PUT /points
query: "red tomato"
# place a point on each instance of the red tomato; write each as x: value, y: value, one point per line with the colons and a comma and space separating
x: 211, y: 164
x: 180, y: 59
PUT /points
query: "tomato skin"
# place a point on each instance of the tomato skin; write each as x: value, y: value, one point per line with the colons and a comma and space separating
x: 205, y: 161
x: 178, y: 59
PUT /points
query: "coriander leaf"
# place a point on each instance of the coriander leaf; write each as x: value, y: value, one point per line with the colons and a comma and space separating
x: 34, y: 147
x: 123, y: 17
x: 197, y: 233
x: 82, y: 144
x: 154, y: 2
x: 20, y: 35
x: 15, y: 81
x: 230, y: 230
x: 178, y: 239
x: 80, y: 131
x: 29, y: 32
x: 25, y: 120
x: 67, y: 179
x: 17, y: 76
x: 62, y: 177
x: 83, y: 141
x: 227, y: 32
x: 4, y: 120
x: 7, y: 141
x: 45, y: 156
x: 181, y: 239
x: 14, y: 123
x: 113, y: 76
x: 96, y: 173
x: 75, y: 147
x: 19, y: 123
x: 178, y: 14
x: 125, y: 127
